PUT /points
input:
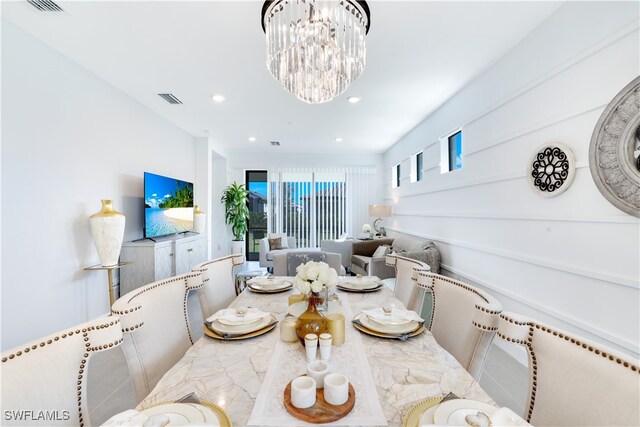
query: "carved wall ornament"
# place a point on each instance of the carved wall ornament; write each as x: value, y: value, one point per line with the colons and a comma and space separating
x: 615, y: 148
x: 551, y: 169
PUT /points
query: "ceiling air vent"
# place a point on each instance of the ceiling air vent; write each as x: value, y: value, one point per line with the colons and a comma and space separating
x: 170, y: 98
x: 45, y: 5
x: 275, y: 143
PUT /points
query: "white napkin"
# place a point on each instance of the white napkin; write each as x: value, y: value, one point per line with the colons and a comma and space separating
x: 397, y: 314
x: 229, y: 314
x: 505, y: 417
x: 130, y: 417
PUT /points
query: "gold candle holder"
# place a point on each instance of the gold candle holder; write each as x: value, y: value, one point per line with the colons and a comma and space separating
x: 335, y: 326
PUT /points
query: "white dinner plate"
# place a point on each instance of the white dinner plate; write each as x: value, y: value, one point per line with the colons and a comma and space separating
x: 220, y: 328
x: 296, y: 309
x: 427, y: 416
x: 452, y: 412
x: 363, y: 282
x: 387, y: 329
x: 183, y: 414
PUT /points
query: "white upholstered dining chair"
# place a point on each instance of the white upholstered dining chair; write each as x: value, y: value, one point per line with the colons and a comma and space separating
x: 405, y: 289
x: 218, y: 287
x: 464, y: 319
x: 155, y: 321
x: 574, y: 381
x: 50, y: 374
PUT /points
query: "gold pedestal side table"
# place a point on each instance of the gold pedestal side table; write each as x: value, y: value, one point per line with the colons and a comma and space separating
x: 109, y: 269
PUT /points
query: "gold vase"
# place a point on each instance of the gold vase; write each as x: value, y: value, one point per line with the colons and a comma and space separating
x: 107, y: 228
x: 311, y: 321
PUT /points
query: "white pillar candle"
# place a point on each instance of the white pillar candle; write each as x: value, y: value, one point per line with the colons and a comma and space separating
x: 318, y: 370
x: 288, y: 329
x: 303, y: 392
x: 336, y: 389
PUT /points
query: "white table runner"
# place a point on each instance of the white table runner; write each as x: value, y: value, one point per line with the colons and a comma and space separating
x: 288, y: 361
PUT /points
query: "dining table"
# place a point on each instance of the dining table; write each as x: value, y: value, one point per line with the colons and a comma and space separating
x: 247, y: 378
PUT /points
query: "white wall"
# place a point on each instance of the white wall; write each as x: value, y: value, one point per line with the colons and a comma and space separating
x: 69, y: 140
x: 570, y: 260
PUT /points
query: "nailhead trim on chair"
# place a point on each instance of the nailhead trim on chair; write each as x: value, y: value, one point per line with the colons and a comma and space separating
x: 127, y: 311
x: 484, y: 328
x: 433, y: 277
x: 184, y: 303
x: 532, y: 356
x: 85, y: 335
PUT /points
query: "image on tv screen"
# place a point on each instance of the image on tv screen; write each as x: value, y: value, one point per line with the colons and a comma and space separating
x: 168, y: 204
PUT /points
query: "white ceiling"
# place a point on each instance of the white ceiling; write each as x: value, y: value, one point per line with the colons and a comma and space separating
x: 418, y: 55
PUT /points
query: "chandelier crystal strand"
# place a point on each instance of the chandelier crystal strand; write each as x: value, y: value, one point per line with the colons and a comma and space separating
x: 315, y: 49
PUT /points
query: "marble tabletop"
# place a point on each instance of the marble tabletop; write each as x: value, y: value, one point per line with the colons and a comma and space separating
x: 230, y: 373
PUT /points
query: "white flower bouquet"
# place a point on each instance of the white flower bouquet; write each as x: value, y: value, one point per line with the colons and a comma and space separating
x: 315, y: 276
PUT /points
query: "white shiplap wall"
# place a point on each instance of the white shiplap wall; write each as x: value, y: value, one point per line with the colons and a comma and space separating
x: 570, y: 260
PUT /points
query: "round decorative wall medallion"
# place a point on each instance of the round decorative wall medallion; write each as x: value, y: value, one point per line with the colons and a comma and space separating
x: 551, y: 169
x: 615, y: 148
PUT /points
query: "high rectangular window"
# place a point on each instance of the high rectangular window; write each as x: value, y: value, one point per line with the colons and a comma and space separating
x: 455, y: 151
x: 395, y: 176
x: 416, y: 167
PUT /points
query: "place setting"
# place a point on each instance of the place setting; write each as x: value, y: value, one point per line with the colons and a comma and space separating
x: 239, y: 323
x: 359, y: 283
x: 451, y: 410
x: 270, y: 284
x: 187, y: 411
x: 389, y: 322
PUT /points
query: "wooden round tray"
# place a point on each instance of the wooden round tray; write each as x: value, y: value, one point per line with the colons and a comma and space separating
x: 321, y: 411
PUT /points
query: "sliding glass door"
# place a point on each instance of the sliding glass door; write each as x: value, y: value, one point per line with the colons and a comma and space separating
x: 256, y: 183
x: 310, y: 206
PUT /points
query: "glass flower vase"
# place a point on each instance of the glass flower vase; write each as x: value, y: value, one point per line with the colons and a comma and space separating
x: 311, y: 321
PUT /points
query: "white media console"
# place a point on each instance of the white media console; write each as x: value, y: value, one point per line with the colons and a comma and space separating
x: 158, y: 260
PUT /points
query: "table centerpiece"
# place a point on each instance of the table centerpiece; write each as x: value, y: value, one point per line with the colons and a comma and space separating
x: 314, y: 278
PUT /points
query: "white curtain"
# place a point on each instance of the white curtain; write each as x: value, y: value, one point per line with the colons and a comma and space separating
x: 315, y: 204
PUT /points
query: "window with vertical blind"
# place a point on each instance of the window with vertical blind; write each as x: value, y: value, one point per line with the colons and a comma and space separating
x: 319, y: 204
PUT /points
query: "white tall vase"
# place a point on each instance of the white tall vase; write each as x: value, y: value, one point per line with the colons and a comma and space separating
x: 107, y: 227
x: 199, y: 220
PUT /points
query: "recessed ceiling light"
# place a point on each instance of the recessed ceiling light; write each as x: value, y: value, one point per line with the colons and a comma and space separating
x: 218, y: 98
x: 338, y: 139
x: 252, y: 139
x: 353, y: 99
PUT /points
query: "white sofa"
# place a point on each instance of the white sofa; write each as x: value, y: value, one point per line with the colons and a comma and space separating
x: 266, y: 255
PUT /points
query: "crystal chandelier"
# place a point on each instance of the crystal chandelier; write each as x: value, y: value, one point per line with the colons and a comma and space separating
x: 315, y: 49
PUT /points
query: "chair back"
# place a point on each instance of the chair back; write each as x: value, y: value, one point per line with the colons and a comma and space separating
x: 155, y: 320
x: 50, y: 374
x: 218, y: 287
x: 574, y: 381
x: 464, y: 319
x: 285, y: 264
x: 405, y: 289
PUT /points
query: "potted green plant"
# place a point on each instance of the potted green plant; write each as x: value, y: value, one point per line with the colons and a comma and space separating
x: 236, y: 213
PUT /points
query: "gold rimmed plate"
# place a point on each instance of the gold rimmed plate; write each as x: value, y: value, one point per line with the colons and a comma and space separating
x: 221, y: 329
x: 208, y: 332
x: 270, y: 289
x: 413, y: 418
x: 203, y: 413
x: 387, y: 329
x: 368, y: 331
x: 360, y: 290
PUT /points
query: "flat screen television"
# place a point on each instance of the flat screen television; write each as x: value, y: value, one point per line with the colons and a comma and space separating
x: 168, y: 205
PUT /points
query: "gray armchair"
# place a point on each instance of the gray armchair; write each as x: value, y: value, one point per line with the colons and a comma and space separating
x: 266, y: 255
